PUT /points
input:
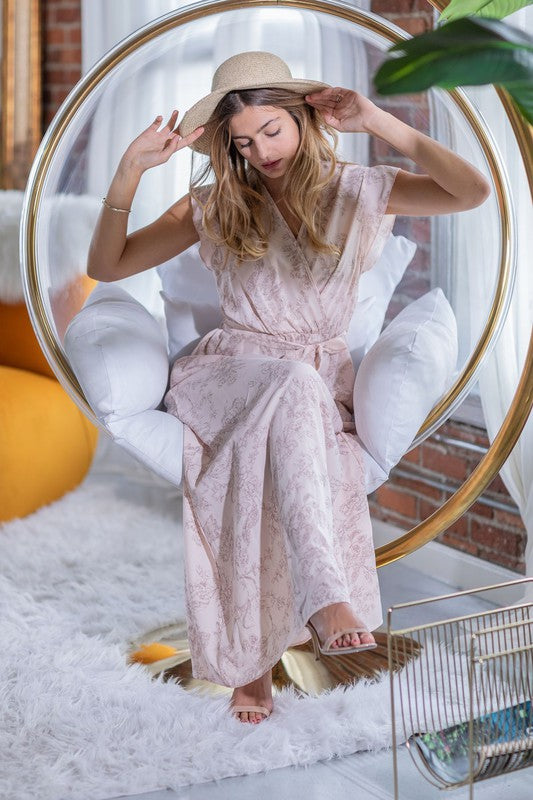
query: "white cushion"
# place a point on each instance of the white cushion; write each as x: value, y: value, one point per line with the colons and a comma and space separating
x: 192, y: 308
x: 376, y: 287
x: 190, y: 297
x: 401, y: 378
x: 118, y: 379
x: 118, y: 353
x: 155, y: 438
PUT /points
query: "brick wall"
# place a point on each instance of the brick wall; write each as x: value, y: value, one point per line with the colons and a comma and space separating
x: 491, y: 528
x: 61, y: 25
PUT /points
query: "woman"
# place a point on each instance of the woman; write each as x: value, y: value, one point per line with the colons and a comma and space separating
x: 278, y: 541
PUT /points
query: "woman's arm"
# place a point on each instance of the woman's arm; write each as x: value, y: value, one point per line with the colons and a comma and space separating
x: 450, y: 183
x: 113, y: 254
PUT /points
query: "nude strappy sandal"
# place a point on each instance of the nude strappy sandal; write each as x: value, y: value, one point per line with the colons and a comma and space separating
x: 326, y: 650
x: 260, y: 709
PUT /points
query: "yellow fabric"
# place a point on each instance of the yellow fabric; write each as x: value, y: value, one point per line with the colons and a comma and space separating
x: 149, y: 653
x: 46, y: 442
x: 18, y: 344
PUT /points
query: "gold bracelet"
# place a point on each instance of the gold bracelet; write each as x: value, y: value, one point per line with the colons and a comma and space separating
x: 113, y: 208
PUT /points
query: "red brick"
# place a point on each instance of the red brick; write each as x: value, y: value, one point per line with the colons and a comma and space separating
x: 413, y: 25
x: 509, y: 518
x: 503, y: 542
x: 444, y: 463
x: 68, y: 13
x: 413, y: 456
x: 385, y: 7
x: 421, y: 120
x: 449, y: 538
x: 459, y: 527
x: 70, y: 55
x: 55, y: 36
x: 481, y: 510
x: 394, y: 309
x: 421, y: 259
x: 427, y: 508
x: 422, y: 229
x: 74, y: 35
x: 401, y: 502
x: 498, y: 486
x: 418, y: 487
x: 502, y: 560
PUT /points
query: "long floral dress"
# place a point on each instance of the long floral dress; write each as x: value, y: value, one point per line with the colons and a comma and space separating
x: 275, y: 514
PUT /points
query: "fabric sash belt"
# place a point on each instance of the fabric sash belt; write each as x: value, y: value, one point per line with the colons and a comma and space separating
x: 310, y: 351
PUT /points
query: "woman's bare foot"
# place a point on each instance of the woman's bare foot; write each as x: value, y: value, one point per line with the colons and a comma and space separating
x: 337, y: 617
x: 256, y: 693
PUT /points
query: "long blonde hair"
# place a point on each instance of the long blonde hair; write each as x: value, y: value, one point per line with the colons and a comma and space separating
x: 235, y: 210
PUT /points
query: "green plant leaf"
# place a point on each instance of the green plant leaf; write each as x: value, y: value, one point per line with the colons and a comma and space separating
x: 468, y: 52
x: 483, y: 8
x: 469, y: 31
x: 522, y: 94
x: 459, y: 66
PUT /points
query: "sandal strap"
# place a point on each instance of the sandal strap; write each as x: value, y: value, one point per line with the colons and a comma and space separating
x: 327, y: 644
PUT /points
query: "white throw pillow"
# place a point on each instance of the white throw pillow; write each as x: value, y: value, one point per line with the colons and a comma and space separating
x: 118, y: 379
x: 401, y: 378
x: 192, y: 307
x: 376, y: 287
x: 118, y: 353
x: 190, y: 298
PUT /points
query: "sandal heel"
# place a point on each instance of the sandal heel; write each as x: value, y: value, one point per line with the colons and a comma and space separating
x: 314, y: 639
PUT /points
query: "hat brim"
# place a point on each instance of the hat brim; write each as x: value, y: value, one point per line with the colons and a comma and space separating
x: 200, y: 112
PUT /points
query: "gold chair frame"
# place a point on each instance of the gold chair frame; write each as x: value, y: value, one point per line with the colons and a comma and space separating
x: 519, y: 410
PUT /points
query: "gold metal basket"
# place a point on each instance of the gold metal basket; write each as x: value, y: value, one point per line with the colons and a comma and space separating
x: 463, y: 701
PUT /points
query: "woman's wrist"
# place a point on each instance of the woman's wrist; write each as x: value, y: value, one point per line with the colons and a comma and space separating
x: 123, y: 186
x: 377, y: 122
x: 128, y: 171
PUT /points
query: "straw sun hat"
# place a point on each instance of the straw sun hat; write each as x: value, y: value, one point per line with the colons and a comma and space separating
x: 251, y: 70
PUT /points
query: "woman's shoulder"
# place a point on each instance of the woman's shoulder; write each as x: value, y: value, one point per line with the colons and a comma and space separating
x: 349, y: 167
x: 359, y: 175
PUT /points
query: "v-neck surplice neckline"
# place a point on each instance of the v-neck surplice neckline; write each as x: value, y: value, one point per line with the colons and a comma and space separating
x: 295, y: 238
x: 297, y: 243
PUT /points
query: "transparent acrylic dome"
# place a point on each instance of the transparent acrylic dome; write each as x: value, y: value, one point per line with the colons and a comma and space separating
x: 169, y: 64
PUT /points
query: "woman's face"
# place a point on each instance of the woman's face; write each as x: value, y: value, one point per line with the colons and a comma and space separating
x: 268, y: 137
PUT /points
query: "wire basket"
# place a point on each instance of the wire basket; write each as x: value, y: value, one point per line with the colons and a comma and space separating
x: 463, y: 699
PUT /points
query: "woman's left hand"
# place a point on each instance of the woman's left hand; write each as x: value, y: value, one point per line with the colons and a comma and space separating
x: 344, y: 109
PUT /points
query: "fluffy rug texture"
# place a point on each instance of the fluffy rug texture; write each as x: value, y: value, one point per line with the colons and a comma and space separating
x: 80, y: 579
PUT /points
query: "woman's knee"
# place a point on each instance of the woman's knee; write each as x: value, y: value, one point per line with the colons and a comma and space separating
x: 302, y: 382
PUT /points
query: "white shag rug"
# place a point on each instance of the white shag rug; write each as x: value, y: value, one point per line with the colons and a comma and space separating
x: 81, y: 578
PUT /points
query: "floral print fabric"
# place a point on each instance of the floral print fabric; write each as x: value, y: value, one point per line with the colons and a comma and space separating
x: 275, y: 513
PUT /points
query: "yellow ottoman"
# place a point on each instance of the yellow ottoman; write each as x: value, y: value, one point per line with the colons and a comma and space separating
x: 46, y: 443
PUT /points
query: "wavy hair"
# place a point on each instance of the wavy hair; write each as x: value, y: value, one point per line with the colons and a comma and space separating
x: 235, y: 212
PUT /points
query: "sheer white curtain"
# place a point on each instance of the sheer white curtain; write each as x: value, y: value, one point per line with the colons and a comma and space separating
x: 500, y: 377
x: 178, y: 72
x: 471, y: 245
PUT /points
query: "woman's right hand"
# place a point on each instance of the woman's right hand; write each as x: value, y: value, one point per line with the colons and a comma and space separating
x: 153, y: 147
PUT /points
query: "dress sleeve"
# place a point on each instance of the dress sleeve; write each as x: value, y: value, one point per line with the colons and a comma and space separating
x: 207, y: 247
x: 375, y: 224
